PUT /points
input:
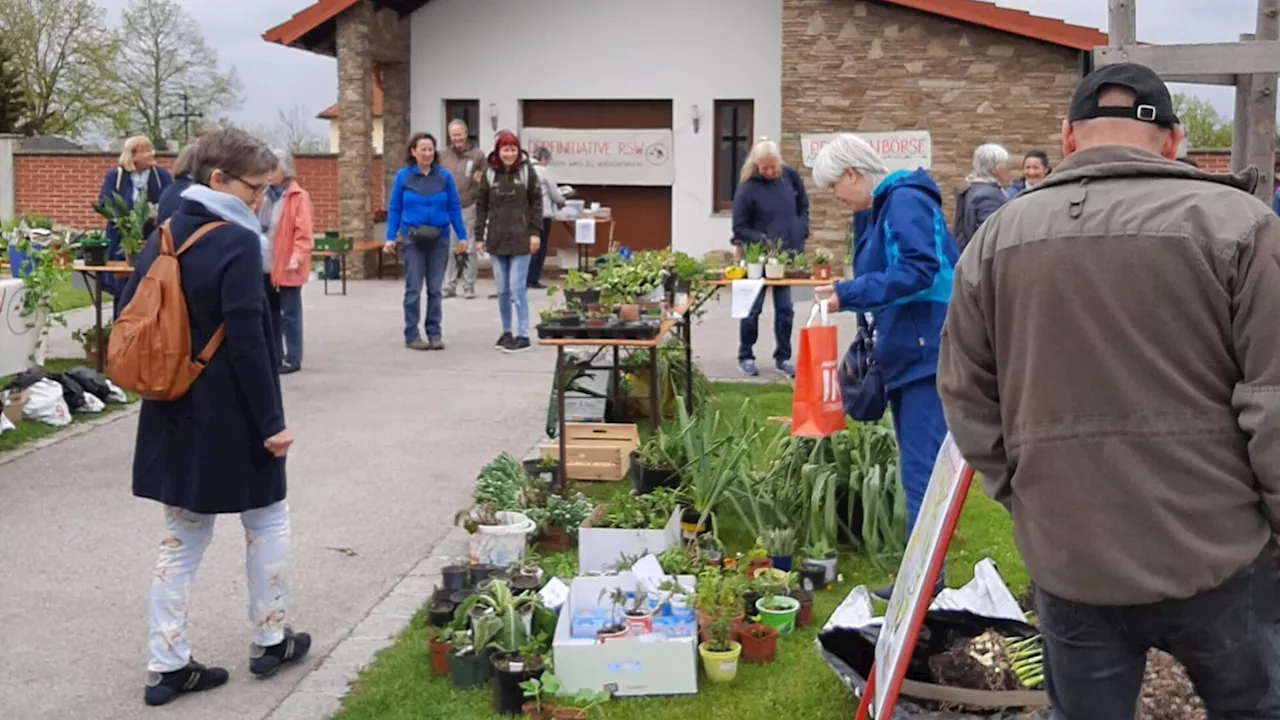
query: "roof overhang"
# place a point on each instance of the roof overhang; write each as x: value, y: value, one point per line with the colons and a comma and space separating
x: 315, y: 27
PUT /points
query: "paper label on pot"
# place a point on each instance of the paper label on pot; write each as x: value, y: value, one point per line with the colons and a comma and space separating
x: 515, y: 667
x: 728, y: 665
x: 554, y: 593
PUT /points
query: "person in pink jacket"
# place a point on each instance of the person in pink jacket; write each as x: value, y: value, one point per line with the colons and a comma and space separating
x: 288, y: 224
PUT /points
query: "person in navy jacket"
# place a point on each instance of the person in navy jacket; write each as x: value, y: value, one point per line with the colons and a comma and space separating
x: 769, y: 205
x: 220, y: 448
x: 424, y: 196
x: 135, y: 178
x: 903, y: 266
x: 171, y: 198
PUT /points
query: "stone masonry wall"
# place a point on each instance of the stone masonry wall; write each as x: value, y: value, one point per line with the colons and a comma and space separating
x: 850, y: 66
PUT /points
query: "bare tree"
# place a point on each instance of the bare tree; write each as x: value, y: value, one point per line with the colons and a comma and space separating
x: 295, y: 131
x: 163, y: 57
x: 61, y: 51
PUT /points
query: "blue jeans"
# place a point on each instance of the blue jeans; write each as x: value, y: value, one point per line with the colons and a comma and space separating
x: 511, y: 273
x: 920, y: 428
x: 291, y: 324
x: 1227, y: 637
x: 783, y: 319
x: 424, y: 266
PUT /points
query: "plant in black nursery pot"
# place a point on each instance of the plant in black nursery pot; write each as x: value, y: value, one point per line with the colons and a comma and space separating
x: 656, y: 463
x: 93, y: 248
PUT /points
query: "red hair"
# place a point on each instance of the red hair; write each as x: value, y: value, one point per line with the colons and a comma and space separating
x: 504, y: 139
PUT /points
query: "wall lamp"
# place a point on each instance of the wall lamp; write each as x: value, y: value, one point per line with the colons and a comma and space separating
x: 697, y: 119
x: 493, y: 116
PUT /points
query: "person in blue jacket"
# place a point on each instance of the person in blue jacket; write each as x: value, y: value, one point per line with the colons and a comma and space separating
x: 904, y: 262
x: 136, y: 178
x: 769, y: 205
x: 171, y: 198
x: 423, y: 203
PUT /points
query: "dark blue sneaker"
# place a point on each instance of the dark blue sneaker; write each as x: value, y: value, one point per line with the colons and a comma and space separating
x: 786, y: 368
x: 267, y: 661
x: 748, y: 368
x: 163, y: 687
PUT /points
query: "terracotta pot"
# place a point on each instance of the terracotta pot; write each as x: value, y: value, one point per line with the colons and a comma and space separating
x: 759, y: 643
x: 758, y: 564
x: 569, y: 714
x: 91, y: 356
x: 704, y: 622
x: 629, y: 312
x: 804, y: 616
x: 439, y: 656
x: 821, y: 272
x: 544, y: 714
x: 553, y: 539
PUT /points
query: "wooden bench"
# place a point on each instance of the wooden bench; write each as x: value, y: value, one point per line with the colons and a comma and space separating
x: 331, y: 245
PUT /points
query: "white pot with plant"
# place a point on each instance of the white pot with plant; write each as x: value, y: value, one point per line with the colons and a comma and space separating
x: 775, y: 264
x: 753, y: 256
x: 498, y: 538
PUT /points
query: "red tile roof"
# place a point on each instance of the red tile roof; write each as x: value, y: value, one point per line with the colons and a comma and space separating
x: 331, y: 112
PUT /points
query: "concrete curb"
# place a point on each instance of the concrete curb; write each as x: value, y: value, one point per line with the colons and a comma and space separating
x: 71, y: 432
x: 319, y: 694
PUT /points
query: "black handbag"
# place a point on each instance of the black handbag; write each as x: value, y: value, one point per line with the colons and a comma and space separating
x: 424, y: 236
x: 861, y: 383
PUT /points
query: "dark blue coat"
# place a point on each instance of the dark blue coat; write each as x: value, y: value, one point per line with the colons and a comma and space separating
x: 205, y: 451
x: 976, y: 204
x: 171, y: 198
x: 119, y: 181
x: 765, y: 210
x: 904, y: 261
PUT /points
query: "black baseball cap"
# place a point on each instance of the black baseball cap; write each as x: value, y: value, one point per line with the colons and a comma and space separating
x: 1153, y: 102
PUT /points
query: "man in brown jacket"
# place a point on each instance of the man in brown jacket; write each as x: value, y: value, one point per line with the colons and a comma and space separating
x: 1110, y: 364
x: 465, y: 162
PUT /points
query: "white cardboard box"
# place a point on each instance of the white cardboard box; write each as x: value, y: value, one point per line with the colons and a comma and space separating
x: 630, y: 666
x: 600, y: 548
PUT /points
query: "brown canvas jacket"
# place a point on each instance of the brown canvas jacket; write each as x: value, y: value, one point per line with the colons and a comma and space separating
x: 1110, y: 364
x: 458, y: 165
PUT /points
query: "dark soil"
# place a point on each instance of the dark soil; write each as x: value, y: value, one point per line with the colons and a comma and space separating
x: 1167, y: 693
x: 958, y: 668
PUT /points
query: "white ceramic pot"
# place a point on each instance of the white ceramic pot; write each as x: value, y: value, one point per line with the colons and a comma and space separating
x: 775, y: 271
x: 755, y: 271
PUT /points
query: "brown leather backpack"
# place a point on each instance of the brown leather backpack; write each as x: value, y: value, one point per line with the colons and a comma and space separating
x: 150, y: 349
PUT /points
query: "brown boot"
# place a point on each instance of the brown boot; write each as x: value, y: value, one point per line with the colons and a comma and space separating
x: 418, y: 344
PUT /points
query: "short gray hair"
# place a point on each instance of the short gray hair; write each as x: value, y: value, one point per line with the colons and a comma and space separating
x: 542, y: 155
x: 286, y: 163
x: 458, y: 122
x: 987, y: 161
x: 232, y: 151
x: 186, y: 162
x: 848, y: 152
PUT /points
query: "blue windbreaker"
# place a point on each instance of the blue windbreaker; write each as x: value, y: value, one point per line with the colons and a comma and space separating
x: 903, y: 265
x: 417, y: 200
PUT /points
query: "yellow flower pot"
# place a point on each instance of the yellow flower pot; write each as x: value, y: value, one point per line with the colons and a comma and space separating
x: 721, y: 667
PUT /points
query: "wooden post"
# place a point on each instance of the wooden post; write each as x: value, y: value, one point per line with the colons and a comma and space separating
x: 1240, y: 138
x: 1122, y: 22
x: 1260, y: 117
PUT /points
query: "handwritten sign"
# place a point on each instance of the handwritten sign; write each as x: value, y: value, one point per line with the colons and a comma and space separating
x: 606, y: 157
x: 901, y: 150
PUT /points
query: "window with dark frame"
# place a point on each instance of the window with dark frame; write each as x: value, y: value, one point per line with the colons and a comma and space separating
x: 468, y: 111
x: 734, y: 128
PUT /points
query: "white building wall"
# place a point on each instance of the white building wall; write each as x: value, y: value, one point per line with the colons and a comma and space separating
x: 692, y: 52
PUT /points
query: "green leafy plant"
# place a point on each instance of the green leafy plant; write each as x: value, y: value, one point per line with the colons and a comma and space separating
x: 718, y: 634
x: 617, y: 601
x: 562, y: 565
x: 752, y: 253
x: 675, y: 560
x: 44, y: 274
x: 663, y: 449
x: 130, y: 222
x: 88, y: 337
x: 818, y: 548
x: 568, y: 514
x: 541, y: 690
x: 821, y: 256
x: 651, y: 511
x: 715, y: 446
x: 585, y: 700
x: 578, y: 281
x: 92, y: 238
x: 779, y: 542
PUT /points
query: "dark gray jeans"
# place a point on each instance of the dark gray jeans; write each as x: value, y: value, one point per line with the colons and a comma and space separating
x: 1227, y: 638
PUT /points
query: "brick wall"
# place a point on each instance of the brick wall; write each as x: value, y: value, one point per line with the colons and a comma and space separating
x: 849, y: 66
x: 63, y: 186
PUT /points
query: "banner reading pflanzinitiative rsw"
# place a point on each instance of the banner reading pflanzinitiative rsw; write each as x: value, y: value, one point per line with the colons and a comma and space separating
x: 606, y: 157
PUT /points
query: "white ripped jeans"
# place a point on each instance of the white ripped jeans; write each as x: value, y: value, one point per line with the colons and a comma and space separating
x: 187, y: 534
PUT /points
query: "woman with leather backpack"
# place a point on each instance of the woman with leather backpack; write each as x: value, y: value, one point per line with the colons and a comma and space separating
x: 421, y: 207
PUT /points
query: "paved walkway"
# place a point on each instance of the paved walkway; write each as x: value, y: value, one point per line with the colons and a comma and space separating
x: 388, y: 444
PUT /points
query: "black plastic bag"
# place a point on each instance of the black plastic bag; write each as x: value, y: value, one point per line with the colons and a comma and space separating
x: 92, y: 382
x: 26, y: 379
x: 851, y: 653
x: 72, y: 391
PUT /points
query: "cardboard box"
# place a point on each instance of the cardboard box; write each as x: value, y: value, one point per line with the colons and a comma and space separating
x: 13, y: 403
x: 596, y: 451
x: 629, y: 666
x: 600, y: 548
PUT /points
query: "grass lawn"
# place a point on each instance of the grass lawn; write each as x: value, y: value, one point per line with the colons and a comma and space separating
x: 69, y: 298
x: 29, y: 430
x: 798, y: 684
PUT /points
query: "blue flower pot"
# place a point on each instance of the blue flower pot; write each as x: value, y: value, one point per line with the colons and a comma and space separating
x: 19, y: 264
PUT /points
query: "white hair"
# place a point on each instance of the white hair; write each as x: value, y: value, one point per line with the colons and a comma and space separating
x: 286, y: 163
x: 848, y: 152
x: 987, y: 161
x: 764, y: 148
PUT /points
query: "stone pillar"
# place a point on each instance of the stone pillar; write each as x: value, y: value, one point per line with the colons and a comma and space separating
x: 355, y: 124
x: 8, y: 176
x: 395, y: 119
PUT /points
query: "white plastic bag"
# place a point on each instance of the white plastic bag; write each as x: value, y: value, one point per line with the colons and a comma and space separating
x: 5, y: 425
x: 46, y: 404
x: 92, y: 404
x: 116, y: 395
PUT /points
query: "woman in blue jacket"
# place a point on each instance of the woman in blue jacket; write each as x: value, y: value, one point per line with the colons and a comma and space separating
x: 903, y: 265
x: 770, y: 204
x: 136, y: 178
x: 422, y: 205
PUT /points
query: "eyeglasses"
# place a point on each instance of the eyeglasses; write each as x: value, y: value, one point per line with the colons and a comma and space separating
x: 257, y: 189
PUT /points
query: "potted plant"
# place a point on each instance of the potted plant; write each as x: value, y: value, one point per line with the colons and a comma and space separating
x: 469, y: 665
x: 720, y: 654
x: 714, y: 449
x: 821, y: 553
x: 88, y: 339
x: 439, y: 642
x: 656, y: 463
x: 541, y: 692
x: 455, y: 576
x: 497, y: 536
x: 579, y: 706
x: 638, y: 617
x: 798, y: 265
x: 757, y: 559
x: 440, y: 613
x: 821, y: 264
x: 752, y: 255
x: 93, y: 248
x: 719, y: 596
x: 512, y: 669
x: 559, y: 519
x: 131, y: 223
x: 546, y: 469
x: 776, y: 609
x: 580, y: 289
x: 616, y: 627
x: 804, y: 615
x: 780, y: 543
x: 775, y: 264
x: 759, y: 643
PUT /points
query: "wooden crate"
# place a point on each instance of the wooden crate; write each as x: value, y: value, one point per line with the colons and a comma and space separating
x: 596, y: 451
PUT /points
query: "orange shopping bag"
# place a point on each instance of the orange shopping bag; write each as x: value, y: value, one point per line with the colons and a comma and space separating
x: 816, y: 410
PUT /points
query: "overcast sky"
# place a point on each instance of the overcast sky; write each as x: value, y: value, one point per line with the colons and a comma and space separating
x: 277, y: 78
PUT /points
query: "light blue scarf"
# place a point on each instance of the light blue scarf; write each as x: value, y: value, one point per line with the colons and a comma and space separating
x: 233, y: 210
